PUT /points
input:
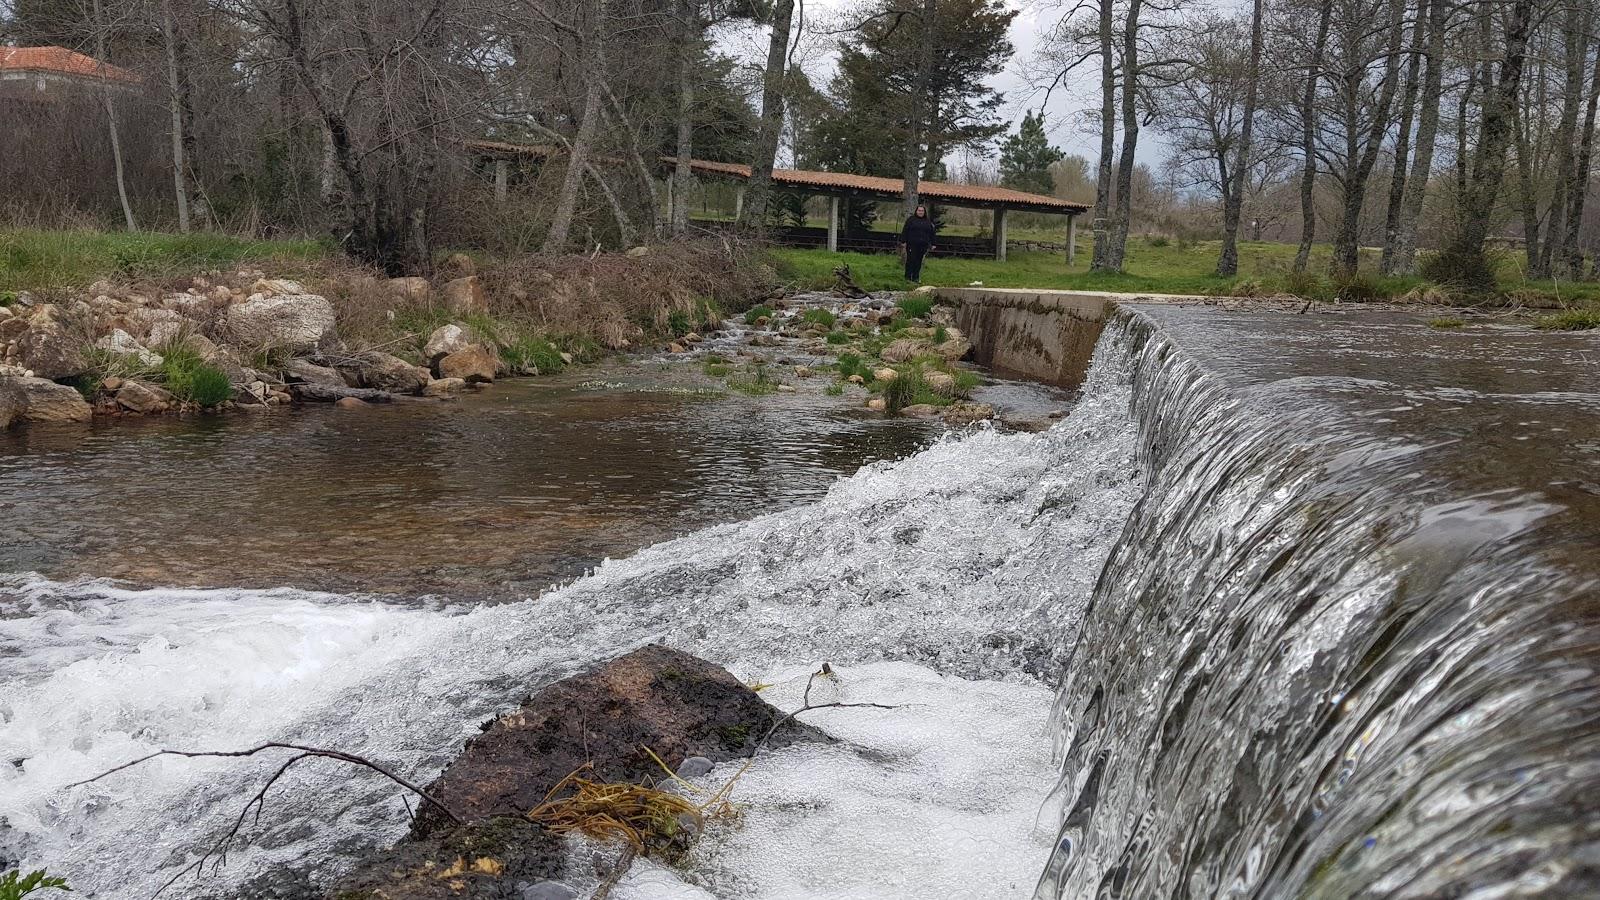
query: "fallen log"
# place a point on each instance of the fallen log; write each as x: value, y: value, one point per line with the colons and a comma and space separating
x: 308, y: 392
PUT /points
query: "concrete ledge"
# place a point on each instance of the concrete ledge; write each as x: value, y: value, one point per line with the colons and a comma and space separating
x: 1046, y: 336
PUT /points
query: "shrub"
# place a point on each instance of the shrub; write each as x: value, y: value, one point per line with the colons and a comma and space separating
x: 941, y: 334
x: 716, y: 368
x: 192, y: 379
x: 533, y: 351
x: 7, y: 298
x: 758, y: 384
x: 1360, y: 288
x: 916, y: 307
x: 838, y: 337
x: 678, y: 323
x: 1472, y: 273
x: 903, y: 390
x: 834, y: 390
x: 1305, y: 286
x: 1248, y: 287
x: 756, y: 313
x: 1429, y: 294
x: 819, y: 317
x: 852, y: 364
x: 1570, y: 320
x: 1159, y: 240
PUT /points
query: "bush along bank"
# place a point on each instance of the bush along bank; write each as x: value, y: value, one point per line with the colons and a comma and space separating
x: 243, y: 340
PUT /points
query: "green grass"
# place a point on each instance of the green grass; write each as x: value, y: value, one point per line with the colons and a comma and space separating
x: 1571, y: 320
x: 36, y: 260
x: 819, y: 317
x: 838, y: 337
x: 192, y: 379
x: 1446, y: 322
x: 1152, y: 266
x: 754, y: 313
x: 833, y: 390
x: 532, y: 350
x: 852, y: 364
x: 916, y: 307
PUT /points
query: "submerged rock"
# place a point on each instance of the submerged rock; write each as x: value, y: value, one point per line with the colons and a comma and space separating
x: 13, y: 402
x: 481, y: 861
x: 673, y: 703
x: 444, y: 387
x: 136, y: 396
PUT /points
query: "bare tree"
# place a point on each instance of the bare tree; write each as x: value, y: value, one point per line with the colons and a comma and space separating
x: 774, y: 80
x: 1401, y: 250
x: 1233, y: 203
x: 1308, y: 134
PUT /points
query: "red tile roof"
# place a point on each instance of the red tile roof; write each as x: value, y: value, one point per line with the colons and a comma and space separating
x: 61, y: 61
x: 841, y: 182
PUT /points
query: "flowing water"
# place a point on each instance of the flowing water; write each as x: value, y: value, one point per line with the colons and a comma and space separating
x: 1319, y: 593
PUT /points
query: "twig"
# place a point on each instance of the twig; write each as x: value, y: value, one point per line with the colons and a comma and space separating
x: 259, y: 799
x: 624, y: 862
x: 807, y: 706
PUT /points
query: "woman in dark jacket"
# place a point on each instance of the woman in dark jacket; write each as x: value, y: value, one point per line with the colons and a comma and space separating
x: 917, y: 237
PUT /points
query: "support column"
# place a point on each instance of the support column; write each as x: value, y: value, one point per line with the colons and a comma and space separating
x: 670, y: 199
x: 833, y: 224
x: 1072, y: 239
x: 738, y: 202
x: 1000, y: 234
x: 501, y: 180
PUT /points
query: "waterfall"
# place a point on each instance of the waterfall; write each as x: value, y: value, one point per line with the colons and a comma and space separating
x: 1347, y: 643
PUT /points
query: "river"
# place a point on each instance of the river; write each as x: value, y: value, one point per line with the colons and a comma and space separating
x: 1313, y: 599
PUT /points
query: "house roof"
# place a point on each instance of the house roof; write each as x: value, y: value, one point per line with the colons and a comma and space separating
x: 976, y: 195
x: 61, y: 61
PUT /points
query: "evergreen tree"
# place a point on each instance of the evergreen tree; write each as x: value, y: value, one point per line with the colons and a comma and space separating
x: 1026, y: 158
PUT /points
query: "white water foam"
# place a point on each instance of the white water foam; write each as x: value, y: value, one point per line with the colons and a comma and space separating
x: 973, y: 557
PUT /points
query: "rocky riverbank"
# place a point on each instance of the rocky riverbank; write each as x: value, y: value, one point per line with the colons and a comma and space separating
x: 247, y: 340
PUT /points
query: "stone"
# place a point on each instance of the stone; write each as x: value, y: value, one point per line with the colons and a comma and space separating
x: 139, y: 397
x: 549, y: 890
x: 444, y: 387
x: 304, y: 370
x: 277, y: 287
x: 566, y: 358
x: 877, y: 404
x: 110, y: 385
x: 692, y: 337
x: 411, y: 290
x: 13, y: 403
x: 253, y: 394
x: 920, y: 411
x: 327, y: 393
x: 856, y: 379
x: 786, y: 389
x: 199, y: 345
x: 465, y: 297
x: 695, y: 766
x: 924, y: 291
x: 446, y: 339
x: 163, y: 334
x: 45, y: 347
x: 940, y: 382
x: 220, y: 296
x: 475, y: 363
x: 458, y: 265
x: 955, y: 347
x: 638, y: 252
x: 885, y: 374
x: 675, y: 347
x: 392, y: 374
x: 655, y: 697
x: 349, y: 403
x: 122, y: 344
x: 51, y: 403
x: 904, y: 350
x: 481, y: 861
x: 284, y: 321
x: 959, y: 414
x: 186, y: 304
x: 803, y: 372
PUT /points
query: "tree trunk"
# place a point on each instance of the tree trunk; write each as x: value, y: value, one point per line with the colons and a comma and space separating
x: 180, y: 186
x: 1527, y: 192
x: 1347, y: 239
x: 578, y: 157
x: 1308, y: 139
x: 1402, y: 143
x: 1575, y: 46
x: 917, y: 121
x: 111, y: 119
x: 1489, y: 160
x: 1404, y: 259
x: 1581, y: 173
x: 682, y: 174
x: 1233, y: 203
x: 765, y: 152
x: 1130, y: 135
x: 1108, y: 137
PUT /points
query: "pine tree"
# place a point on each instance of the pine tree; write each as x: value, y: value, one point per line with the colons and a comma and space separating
x: 1026, y: 158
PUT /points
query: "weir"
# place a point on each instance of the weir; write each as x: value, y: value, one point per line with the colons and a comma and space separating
x: 1317, y: 595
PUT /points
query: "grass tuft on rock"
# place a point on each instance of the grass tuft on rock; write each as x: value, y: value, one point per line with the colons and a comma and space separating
x: 1570, y: 320
x: 916, y: 307
x: 822, y: 317
x: 192, y: 379
x: 1446, y: 323
x: 756, y: 313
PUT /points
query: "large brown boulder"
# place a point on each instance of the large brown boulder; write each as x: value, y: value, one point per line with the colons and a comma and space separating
x: 655, y: 697
x: 465, y: 296
x: 486, y: 861
x: 475, y: 363
x: 392, y: 374
x: 139, y: 397
x: 445, y: 340
x: 304, y: 370
x: 50, y: 403
x: 13, y: 403
x: 50, y: 350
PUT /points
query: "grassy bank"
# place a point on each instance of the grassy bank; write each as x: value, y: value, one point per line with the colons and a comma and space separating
x: 35, y: 260
x: 1162, y: 266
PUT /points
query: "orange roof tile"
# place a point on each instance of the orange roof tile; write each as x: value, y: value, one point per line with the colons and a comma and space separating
x: 61, y: 61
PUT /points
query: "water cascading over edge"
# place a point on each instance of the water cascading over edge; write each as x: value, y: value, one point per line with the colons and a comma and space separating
x: 1319, y: 663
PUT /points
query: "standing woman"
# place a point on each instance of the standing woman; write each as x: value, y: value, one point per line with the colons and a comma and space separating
x: 917, y: 237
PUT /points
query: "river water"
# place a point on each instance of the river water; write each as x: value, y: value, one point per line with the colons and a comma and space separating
x: 1315, y: 597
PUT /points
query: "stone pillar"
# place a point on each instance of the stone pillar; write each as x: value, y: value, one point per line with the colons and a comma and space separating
x: 738, y: 202
x: 1000, y: 234
x: 1072, y: 239
x: 501, y: 180
x: 833, y: 224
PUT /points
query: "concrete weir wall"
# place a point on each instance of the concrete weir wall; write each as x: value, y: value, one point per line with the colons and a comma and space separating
x: 1046, y: 336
